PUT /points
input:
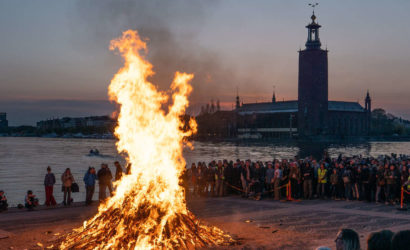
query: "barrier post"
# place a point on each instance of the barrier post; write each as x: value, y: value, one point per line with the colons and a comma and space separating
x: 401, y: 200
x: 289, y: 192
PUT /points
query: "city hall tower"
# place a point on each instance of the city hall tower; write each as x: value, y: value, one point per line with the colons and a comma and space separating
x: 312, y: 85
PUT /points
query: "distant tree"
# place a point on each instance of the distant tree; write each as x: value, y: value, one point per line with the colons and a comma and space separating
x: 218, y: 105
x: 379, y: 113
x: 399, y: 129
x: 387, y: 124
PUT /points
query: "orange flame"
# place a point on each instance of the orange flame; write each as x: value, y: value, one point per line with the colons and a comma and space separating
x: 148, y: 209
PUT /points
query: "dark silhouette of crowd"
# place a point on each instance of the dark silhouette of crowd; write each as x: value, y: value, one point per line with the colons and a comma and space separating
x: 372, y: 179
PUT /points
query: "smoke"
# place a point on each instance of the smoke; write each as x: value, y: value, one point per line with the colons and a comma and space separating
x: 172, y: 28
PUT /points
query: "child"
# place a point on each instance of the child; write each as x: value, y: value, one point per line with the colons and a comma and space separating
x: 31, y: 200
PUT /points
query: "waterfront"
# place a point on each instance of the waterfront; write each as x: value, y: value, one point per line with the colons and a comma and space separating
x: 23, y: 160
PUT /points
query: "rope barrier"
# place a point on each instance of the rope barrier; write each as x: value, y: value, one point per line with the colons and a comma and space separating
x: 289, y: 191
x: 241, y: 190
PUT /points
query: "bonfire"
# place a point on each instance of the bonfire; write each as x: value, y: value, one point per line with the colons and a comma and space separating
x: 148, y: 209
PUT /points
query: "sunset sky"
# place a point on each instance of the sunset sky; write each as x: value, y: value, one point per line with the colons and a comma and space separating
x: 55, y: 61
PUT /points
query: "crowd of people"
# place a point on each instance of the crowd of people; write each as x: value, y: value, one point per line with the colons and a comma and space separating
x: 104, y: 178
x: 360, y: 178
x: 382, y: 179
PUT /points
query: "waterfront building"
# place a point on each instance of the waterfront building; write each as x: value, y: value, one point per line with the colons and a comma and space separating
x: 312, y: 115
x: 77, y: 122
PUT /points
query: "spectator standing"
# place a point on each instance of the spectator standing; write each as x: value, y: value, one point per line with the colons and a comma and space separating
x: 347, y: 180
x: 341, y: 185
x: 307, y: 175
x: 89, y: 181
x: 118, y: 171
x: 404, y: 176
x: 358, y: 183
x: 391, y: 178
x: 381, y: 183
x: 68, y: 179
x: 219, y: 177
x: 236, y: 177
x: 194, y: 174
x: 321, y: 181
x: 245, y: 177
x: 276, y: 181
x: 334, y: 181
x: 210, y: 180
x: 200, y: 180
x: 104, y: 176
x: 49, y: 181
x: 295, y: 176
x: 269, y: 178
x: 3, y: 202
x: 257, y: 181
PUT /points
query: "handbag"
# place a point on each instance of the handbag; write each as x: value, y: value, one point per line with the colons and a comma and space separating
x: 75, y: 188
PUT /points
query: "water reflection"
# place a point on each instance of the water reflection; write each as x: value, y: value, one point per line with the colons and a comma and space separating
x: 266, y: 151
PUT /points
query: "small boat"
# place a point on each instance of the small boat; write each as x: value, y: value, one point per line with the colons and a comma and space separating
x: 94, y: 152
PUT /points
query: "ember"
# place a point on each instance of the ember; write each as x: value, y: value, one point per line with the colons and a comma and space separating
x: 148, y: 209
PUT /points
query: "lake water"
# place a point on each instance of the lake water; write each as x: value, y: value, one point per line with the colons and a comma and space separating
x: 23, y: 160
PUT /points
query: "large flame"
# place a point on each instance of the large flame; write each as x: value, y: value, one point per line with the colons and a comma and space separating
x: 148, y: 209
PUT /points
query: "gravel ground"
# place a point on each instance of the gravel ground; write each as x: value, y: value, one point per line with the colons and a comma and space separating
x: 264, y: 224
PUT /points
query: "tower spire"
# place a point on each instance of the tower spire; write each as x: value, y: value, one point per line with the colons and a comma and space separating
x: 313, y: 40
x: 274, y: 95
x: 238, y: 105
x: 368, y: 110
x: 367, y: 102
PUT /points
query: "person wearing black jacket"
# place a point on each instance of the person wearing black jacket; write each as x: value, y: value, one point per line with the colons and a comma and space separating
x: 257, y: 177
x: 104, y: 180
x: 49, y: 181
x: 245, y: 177
x: 365, y: 180
x: 118, y: 171
x: 307, y: 176
x: 210, y: 180
x: 236, y: 176
x: 228, y: 173
x: 3, y: 201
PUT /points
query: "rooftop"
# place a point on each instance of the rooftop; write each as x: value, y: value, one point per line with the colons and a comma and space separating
x: 292, y: 106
